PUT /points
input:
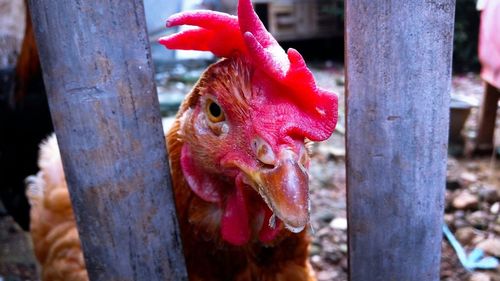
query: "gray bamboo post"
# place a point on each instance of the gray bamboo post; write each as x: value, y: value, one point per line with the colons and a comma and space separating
x: 99, y: 78
x: 398, y: 59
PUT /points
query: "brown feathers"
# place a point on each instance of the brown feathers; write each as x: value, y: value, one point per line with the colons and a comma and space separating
x: 28, y: 69
x: 208, y: 256
x: 53, y: 227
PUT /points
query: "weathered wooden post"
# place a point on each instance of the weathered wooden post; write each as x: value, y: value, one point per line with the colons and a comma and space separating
x: 99, y: 78
x: 398, y: 59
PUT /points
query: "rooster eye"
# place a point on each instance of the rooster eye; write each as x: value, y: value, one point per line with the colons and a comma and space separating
x: 214, y: 112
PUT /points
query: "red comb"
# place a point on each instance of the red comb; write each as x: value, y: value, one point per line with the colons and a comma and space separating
x: 228, y: 36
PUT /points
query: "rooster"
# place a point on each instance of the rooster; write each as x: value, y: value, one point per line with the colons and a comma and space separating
x: 238, y: 159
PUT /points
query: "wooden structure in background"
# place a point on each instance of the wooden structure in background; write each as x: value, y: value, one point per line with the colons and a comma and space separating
x: 99, y: 79
x: 301, y: 19
x: 398, y: 66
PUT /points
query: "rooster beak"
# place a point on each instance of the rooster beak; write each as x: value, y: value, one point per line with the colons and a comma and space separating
x: 285, y: 189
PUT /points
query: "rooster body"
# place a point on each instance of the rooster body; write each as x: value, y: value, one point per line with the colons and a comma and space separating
x: 238, y: 159
x: 208, y: 255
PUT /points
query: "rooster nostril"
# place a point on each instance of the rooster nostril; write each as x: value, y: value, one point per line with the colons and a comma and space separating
x: 264, y: 152
x: 268, y: 166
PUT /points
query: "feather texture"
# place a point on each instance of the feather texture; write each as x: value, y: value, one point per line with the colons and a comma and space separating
x: 53, y: 227
x: 208, y: 256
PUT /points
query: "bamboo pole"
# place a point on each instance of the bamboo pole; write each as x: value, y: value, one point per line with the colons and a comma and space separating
x: 98, y: 73
x: 398, y: 59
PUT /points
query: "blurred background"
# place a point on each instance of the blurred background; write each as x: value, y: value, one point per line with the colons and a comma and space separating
x: 315, y: 28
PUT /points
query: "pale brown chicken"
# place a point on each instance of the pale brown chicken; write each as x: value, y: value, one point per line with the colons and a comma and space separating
x: 238, y: 160
x: 53, y: 226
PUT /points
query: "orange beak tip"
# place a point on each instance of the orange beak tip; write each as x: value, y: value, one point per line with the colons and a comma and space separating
x: 285, y: 190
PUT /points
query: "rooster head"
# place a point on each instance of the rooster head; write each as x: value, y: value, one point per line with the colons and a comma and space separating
x: 248, y: 119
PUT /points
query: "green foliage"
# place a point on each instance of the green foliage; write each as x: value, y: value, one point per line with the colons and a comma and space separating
x: 332, y: 7
x: 466, y: 37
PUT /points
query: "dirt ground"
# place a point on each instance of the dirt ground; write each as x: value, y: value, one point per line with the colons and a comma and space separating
x: 472, y: 202
x: 472, y: 195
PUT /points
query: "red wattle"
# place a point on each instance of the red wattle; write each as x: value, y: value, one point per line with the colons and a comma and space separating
x: 234, y: 226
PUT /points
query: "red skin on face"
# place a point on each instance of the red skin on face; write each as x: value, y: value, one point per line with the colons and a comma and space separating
x: 281, y: 74
x: 285, y: 108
